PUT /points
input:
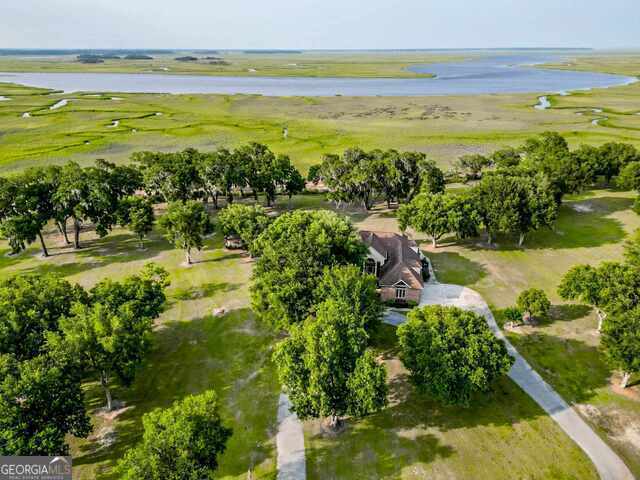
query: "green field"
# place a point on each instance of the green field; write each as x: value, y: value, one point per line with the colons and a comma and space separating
x: 620, y: 62
x: 194, y: 351
x: 443, y: 127
x: 591, y: 228
x: 504, y: 436
x: 304, y: 64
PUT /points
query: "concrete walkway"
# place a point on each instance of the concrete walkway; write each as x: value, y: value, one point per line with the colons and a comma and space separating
x: 608, y: 464
x: 290, y: 443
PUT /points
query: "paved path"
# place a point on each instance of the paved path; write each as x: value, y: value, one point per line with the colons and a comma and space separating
x: 608, y: 464
x: 290, y: 443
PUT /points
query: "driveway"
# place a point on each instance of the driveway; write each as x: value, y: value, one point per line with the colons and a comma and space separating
x: 608, y: 464
x: 289, y: 443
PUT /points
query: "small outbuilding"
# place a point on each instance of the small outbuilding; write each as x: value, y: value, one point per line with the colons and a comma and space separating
x: 233, y: 242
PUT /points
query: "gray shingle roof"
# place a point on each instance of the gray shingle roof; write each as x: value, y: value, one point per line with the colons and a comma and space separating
x: 403, y: 262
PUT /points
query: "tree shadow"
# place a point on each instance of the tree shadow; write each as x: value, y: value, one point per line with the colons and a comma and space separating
x: 98, y: 253
x: 222, y: 258
x: 231, y: 354
x: 574, y: 368
x: 373, y: 451
x: 568, y: 311
x: 451, y: 267
x: 202, y: 291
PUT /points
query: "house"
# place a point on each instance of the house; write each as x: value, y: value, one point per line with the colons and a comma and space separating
x: 398, y: 264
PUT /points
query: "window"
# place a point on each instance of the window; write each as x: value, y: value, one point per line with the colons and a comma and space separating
x: 401, y: 293
x: 370, y: 266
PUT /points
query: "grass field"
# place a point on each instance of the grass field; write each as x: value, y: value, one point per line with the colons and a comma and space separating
x: 194, y: 351
x: 591, y: 228
x: 91, y: 127
x: 504, y: 435
x: 620, y: 62
x: 304, y: 64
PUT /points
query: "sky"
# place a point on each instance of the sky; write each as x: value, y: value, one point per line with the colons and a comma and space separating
x: 319, y: 24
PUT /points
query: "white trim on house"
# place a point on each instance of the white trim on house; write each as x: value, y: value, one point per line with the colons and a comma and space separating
x: 377, y: 256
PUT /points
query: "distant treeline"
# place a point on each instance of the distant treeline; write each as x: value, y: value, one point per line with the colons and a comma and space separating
x: 52, y: 52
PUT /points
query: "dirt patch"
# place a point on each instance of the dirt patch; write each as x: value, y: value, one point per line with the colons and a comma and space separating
x: 409, y: 434
x: 410, y: 112
x: 582, y: 207
x: 630, y: 435
x: 619, y: 425
x: 327, y: 430
x: 631, y: 393
x: 118, y: 409
x: 589, y: 411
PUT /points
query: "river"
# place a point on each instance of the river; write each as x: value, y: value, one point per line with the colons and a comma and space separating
x: 487, y: 75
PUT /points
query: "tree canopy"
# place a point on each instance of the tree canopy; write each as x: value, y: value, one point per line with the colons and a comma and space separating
x: 348, y: 284
x: 614, y: 289
x: 471, y: 166
x: 136, y: 213
x: 621, y: 342
x: 535, y: 302
x: 360, y: 176
x: 182, y: 442
x: 451, y: 353
x: 185, y: 225
x: 110, y: 334
x: 245, y: 221
x: 41, y: 398
x: 292, y: 253
x: 326, y: 368
x: 428, y: 213
x: 514, y: 204
x: 30, y: 306
x: 41, y: 401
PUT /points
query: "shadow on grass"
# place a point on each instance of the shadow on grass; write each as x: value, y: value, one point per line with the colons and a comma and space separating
x: 451, y: 267
x: 402, y: 436
x: 373, y: 449
x: 230, y: 354
x: 575, y: 369
x: 568, y: 312
x: 202, y: 291
x: 97, y: 253
x: 229, y: 256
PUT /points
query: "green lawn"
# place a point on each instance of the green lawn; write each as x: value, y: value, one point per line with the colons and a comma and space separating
x: 192, y: 350
x: 591, y: 228
x: 504, y: 435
